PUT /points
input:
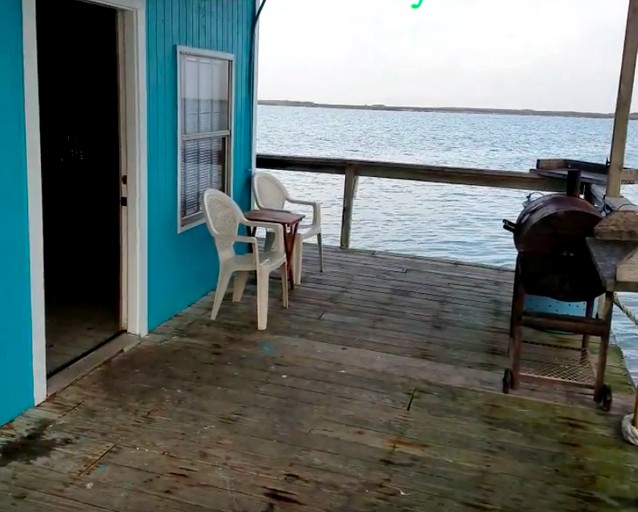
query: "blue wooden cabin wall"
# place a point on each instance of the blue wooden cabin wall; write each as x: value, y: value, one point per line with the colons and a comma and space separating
x: 183, y: 267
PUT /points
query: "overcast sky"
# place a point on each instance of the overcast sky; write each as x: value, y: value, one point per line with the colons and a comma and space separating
x: 538, y: 54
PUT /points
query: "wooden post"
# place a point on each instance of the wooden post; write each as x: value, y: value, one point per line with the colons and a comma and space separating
x: 573, y: 183
x: 623, y: 102
x: 348, y: 203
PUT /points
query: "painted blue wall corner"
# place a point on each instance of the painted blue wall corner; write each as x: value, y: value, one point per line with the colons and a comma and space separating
x: 16, y: 366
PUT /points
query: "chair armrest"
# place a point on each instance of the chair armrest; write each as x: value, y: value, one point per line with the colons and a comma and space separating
x: 302, y: 201
x: 246, y: 239
x: 232, y: 240
x: 277, y: 228
x: 316, y: 208
x: 266, y: 225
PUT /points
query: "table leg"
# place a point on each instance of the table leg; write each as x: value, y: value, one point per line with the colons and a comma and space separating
x: 250, y: 231
x: 293, y: 244
x: 289, y: 242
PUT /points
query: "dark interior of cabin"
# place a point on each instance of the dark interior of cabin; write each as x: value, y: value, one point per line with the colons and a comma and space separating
x: 79, y: 130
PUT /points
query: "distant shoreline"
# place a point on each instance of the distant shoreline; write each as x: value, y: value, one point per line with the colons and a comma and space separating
x: 447, y: 110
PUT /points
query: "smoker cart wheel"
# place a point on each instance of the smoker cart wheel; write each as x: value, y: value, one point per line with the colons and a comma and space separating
x: 597, y: 395
x: 605, y: 397
x: 507, y: 380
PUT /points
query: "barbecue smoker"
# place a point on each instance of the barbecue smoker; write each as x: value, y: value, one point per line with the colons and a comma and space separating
x: 554, y: 262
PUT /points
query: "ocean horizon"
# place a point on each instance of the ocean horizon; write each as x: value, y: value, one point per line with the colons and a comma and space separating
x: 461, y: 110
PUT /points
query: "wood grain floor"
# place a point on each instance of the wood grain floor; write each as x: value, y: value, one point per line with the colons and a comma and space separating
x: 75, y: 329
x: 377, y: 390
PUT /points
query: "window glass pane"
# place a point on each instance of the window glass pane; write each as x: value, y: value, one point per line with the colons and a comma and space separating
x: 190, y: 178
x: 203, y: 165
x: 205, y: 96
x: 220, y: 95
x: 205, y: 161
x: 190, y: 95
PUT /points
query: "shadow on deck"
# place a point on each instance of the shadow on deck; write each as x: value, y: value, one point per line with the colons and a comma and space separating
x: 379, y: 389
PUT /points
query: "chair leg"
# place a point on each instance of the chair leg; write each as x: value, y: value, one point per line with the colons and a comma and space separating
x: 320, y: 244
x: 239, y: 285
x: 284, y: 284
x: 297, y: 261
x: 262, y: 299
x: 220, y: 291
x: 270, y: 238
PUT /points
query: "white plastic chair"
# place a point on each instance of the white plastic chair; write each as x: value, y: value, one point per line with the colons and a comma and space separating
x: 223, y: 218
x: 270, y: 193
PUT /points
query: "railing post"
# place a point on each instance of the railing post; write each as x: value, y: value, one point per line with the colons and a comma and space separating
x: 623, y: 102
x: 349, y: 186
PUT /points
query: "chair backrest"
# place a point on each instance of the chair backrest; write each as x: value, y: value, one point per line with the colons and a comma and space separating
x: 269, y: 191
x: 223, y: 217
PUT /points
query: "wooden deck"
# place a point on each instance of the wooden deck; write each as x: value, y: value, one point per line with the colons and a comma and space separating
x: 378, y: 390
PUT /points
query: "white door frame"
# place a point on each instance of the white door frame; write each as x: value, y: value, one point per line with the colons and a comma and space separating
x: 133, y: 22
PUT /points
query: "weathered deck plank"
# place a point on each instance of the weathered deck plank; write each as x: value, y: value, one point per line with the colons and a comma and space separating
x: 377, y: 390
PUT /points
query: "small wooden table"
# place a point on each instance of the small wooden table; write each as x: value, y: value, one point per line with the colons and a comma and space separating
x: 607, y: 255
x: 290, y: 222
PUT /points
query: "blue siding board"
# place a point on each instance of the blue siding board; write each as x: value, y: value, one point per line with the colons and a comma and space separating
x: 16, y: 367
x: 183, y: 267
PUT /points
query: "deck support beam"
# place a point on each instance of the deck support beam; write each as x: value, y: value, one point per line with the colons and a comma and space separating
x: 623, y: 102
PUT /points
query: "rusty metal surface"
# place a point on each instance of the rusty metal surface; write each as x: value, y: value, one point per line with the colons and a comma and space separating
x: 571, y: 278
x: 555, y: 223
x: 550, y: 236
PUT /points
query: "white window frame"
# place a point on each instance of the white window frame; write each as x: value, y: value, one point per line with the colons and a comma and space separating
x: 198, y: 219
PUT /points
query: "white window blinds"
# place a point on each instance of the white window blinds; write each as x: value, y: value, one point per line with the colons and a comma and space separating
x: 205, y: 104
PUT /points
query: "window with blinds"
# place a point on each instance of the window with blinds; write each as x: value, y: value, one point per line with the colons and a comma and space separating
x: 205, y: 103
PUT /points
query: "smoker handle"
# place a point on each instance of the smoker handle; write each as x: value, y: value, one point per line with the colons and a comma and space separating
x: 508, y: 225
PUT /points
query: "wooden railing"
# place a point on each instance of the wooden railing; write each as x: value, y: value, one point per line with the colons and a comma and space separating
x: 353, y: 169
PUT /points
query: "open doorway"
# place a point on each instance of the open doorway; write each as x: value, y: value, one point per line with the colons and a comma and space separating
x: 77, y: 47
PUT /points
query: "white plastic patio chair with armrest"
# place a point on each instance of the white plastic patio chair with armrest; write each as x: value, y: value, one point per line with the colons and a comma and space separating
x: 270, y: 193
x: 223, y: 218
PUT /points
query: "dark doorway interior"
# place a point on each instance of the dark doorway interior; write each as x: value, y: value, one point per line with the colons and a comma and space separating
x: 79, y: 130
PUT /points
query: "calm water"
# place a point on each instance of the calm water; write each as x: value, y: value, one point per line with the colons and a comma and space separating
x: 454, y: 221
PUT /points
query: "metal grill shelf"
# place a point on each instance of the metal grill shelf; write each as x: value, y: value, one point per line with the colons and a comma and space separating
x: 546, y: 364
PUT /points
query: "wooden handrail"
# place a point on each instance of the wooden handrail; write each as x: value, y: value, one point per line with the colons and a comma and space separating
x: 353, y: 169
x: 412, y: 172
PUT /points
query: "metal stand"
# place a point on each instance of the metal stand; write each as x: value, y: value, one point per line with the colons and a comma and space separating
x: 564, y: 363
